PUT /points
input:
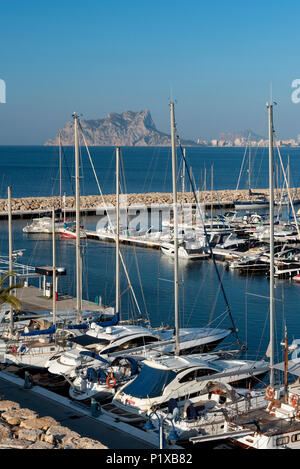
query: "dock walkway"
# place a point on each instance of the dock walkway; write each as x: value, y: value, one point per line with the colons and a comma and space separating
x: 129, y: 240
x: 32, y: 299
x: 111, y: 433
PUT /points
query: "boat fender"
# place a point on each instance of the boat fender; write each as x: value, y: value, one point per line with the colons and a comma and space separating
x: 28, y: 381
x: 95, y: 408
x: 294, y: 400
x: 111, y: 381
x: 270, y: 392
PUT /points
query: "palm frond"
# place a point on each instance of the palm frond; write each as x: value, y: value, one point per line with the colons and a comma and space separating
x: 5, y: 292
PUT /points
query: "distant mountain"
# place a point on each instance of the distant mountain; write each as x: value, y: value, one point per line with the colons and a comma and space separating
x: 231, y: 136
x: 126, y: 129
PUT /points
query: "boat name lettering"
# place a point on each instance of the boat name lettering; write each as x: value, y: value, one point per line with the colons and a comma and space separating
x: 129, y: 402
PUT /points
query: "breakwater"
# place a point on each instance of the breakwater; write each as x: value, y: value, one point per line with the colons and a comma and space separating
x: 22, y: 428
x: 27, y: 206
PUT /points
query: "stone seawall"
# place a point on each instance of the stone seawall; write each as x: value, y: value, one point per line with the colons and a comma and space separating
x: 39, y: 204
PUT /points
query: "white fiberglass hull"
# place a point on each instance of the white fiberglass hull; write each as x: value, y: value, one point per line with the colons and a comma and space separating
x: 236, y: 376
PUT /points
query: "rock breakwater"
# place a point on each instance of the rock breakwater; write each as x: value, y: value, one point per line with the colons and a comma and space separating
x: 22, y: 428
x: 44, y: 204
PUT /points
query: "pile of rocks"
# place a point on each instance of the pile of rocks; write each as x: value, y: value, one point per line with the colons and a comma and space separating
x: 24, y: 429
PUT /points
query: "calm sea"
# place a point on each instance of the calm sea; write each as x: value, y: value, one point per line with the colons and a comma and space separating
x: 33, y: 171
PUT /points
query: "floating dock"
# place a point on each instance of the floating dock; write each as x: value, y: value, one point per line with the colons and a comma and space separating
x: 129, y: 240
x: 32, y: 299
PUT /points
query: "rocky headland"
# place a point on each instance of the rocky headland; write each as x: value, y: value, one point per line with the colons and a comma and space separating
x: 126, y: 129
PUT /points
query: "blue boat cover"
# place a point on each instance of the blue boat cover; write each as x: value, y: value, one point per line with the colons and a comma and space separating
x: 87, y: 353
x: 79, y: 326
x: 191, y: 412
x: 172, y: 404
x: 95, y: 376
x: 114, y: 321
x: 51, y: 330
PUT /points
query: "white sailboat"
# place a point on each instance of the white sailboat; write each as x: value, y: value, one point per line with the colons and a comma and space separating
x: 28, y: 345
x: 42, y: 225
x: 33, y: 343
x: 256, y: 200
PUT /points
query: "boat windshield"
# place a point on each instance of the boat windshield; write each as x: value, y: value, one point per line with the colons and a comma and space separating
x: 150, y: 382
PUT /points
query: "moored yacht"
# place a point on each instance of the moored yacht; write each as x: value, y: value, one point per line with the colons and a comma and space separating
x: 103, y: 381
x: 68, y: 230
x: 42, y: 225
x: 181, y: 378
x: 140, y: 342
x: 191, y: 249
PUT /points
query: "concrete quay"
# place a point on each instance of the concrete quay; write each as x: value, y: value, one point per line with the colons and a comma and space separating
x: 112, y: 434
x: 32, y: 299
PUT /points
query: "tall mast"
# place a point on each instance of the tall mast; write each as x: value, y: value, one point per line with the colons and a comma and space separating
x: 77, y: 204
x: 271, y: 212
x: 288, y: 188
x: 174, y: 182
x: 211, y: 195
x: 249, y: 168
x: 53, y: 269
x: 10, y: 261
x: 286, y: 365
x: 117, y: 230
x: 183, y: 174
x: 60, y: 179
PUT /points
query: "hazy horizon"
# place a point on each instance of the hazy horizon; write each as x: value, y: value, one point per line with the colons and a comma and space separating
x: 217, y: 61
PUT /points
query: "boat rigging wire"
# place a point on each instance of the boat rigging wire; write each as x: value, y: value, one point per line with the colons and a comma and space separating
x: 234, y: 329
x: 109, y: 220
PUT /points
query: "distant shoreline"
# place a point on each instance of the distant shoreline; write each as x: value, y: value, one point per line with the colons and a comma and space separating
x: 43, y: 145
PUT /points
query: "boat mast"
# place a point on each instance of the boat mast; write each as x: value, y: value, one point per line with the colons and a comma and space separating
x: 286, y: 365
x: 53, y: 269
x: 10, y: 261
x: 77, y: 204
x: 60, y: 179
x: 183, y: 174
x: 117, y: 236
x: 211, y: 196
x: 271, y: 213
x: 249, y: 168
x: 175, y: 214
x: 288, y: 188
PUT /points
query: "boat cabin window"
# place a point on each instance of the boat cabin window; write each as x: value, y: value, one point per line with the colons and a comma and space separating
x: 282, y: 441
x: 133, y: 343
x: 194, y: 374
x: 296, y: 437
x: 150, y: 382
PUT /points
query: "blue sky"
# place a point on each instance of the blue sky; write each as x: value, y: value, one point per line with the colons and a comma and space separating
x: 217, y: 59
